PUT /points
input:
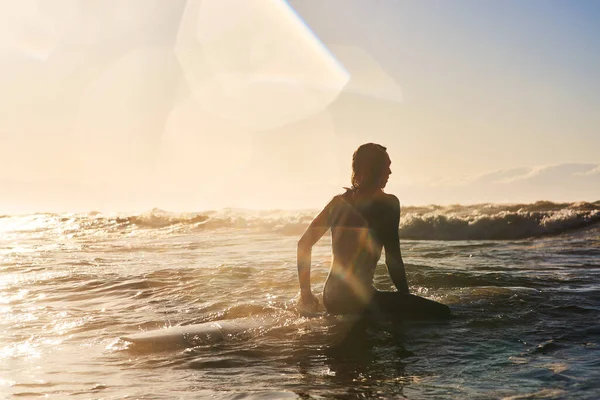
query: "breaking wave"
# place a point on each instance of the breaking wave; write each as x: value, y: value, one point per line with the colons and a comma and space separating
x: 497, y: 222
x: 456, y: 222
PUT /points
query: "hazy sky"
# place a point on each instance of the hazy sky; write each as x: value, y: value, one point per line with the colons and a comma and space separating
x: 486, y: 86
x: 188, y: 105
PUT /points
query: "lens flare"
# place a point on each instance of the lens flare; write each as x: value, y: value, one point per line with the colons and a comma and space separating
x: 256, y: 63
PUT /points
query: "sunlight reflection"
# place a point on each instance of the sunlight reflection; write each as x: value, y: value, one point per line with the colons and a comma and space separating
x: 26, y: 350
x: 20, y: 295
x: 7, y: 382
x: 30, y: 223
x: 62, y: 327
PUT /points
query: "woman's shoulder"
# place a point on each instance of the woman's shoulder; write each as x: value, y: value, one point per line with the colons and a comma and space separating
x: 348, y: 197
x: 390, y: 200
x: 338, y: 198
x: 336, y: 201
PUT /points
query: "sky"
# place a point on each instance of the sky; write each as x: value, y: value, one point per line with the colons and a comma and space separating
x: 194, y: 105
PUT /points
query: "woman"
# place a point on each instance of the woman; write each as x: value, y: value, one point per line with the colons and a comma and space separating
x: 363, y: 221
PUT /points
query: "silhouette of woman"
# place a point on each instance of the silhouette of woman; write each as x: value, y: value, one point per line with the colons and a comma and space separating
x: 363, y: 221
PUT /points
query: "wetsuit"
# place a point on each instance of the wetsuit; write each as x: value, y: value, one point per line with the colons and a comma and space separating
x: 360, y: 228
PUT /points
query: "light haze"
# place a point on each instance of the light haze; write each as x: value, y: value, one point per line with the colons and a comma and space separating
x: 190, y: 105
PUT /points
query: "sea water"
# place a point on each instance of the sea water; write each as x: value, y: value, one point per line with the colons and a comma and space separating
x: 523, y: 282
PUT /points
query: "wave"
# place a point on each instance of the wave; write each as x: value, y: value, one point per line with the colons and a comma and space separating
x: 159, y: 219
x: 434, y: 222
x: 493, y: 222
x: 455, y: 222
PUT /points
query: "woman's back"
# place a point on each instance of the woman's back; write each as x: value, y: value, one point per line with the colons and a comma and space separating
x: 358, y: 230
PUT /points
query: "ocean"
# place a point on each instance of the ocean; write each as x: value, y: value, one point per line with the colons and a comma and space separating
x: 523, y: 282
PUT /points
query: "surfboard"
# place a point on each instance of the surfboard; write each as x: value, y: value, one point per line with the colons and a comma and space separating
x: 405, y: 307
x: 185, y: 335
x: 412, y: 307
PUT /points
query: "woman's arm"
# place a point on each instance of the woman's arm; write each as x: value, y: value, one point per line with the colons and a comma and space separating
x: 315, y: 231
x: 391, y: 242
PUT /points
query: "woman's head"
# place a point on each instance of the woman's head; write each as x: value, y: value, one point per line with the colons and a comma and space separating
x: 370, y: 167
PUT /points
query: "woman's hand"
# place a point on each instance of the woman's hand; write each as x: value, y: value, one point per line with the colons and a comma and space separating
x: 308, y: 301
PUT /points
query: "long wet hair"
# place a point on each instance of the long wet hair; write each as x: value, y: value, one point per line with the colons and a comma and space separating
x: 368, y: 163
